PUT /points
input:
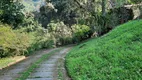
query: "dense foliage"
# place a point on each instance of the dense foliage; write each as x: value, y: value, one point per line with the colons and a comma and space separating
x: 12, y: 42
x: 135, y: 1
x: 99, y: 15
x: 114, y: 56
x: 11, y: 12
x: 80, y: 32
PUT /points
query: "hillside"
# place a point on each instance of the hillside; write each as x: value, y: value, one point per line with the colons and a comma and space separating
x: 114, y: 56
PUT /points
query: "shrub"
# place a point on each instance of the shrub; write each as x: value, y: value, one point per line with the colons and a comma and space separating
x: 61, y: 34
x: 39, y: 40
x: 12, y: 42
x: 80, y: 32
x: 135, y: 1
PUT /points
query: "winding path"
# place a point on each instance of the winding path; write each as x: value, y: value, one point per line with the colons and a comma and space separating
x: 47, y: 70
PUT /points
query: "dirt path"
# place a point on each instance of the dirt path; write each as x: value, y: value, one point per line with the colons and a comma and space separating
x: 12, y: 72
x: 52, y: 69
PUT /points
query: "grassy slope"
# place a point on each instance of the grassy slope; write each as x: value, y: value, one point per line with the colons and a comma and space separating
x: 114, y: 56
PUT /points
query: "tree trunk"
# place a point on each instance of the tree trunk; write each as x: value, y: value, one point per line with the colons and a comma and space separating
x: 103, y: 7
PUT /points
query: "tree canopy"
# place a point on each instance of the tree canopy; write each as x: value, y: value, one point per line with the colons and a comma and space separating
x: 11, y: 12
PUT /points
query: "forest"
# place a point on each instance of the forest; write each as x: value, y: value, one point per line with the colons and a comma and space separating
x: 99, y: 29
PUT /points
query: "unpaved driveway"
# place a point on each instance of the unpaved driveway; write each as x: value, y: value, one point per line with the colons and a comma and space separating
x: 49, y: 70
x: 12, y: 72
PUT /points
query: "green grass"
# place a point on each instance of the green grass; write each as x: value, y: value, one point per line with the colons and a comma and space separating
x: 60, y: 69
x: 114, y: 56
x: 26, y: 73
x: 60, y: 72
x: 5, y: 62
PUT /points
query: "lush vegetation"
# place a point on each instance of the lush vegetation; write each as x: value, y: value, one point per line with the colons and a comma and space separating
x: 11, y: 12
x: 28, y: 25
x: 114, y: 56
x: 26, y: 40
x: 12, y: 42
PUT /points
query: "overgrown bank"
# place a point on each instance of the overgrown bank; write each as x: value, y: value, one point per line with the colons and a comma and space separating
x: 114, y: 56
x: 24, y: 41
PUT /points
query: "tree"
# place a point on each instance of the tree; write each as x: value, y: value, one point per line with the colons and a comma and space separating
x: 103, y: 7
x: 135, y: 1
x: 11, y: 12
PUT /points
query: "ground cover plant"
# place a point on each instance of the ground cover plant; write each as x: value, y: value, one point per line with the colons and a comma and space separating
x: 5, y: 62
x: 114, y: 56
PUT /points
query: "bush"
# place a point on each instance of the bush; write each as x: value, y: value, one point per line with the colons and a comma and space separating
x: 39, y: 37
x: 32, y: 37
x: 39, y: 40
x: 135, y: 1
x: 61, y: 34
x: 80, y: 32
x: 119, y: 16
x: 12, y: 42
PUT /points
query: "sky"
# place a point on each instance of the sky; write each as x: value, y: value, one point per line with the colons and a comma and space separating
x: 37, y: 3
